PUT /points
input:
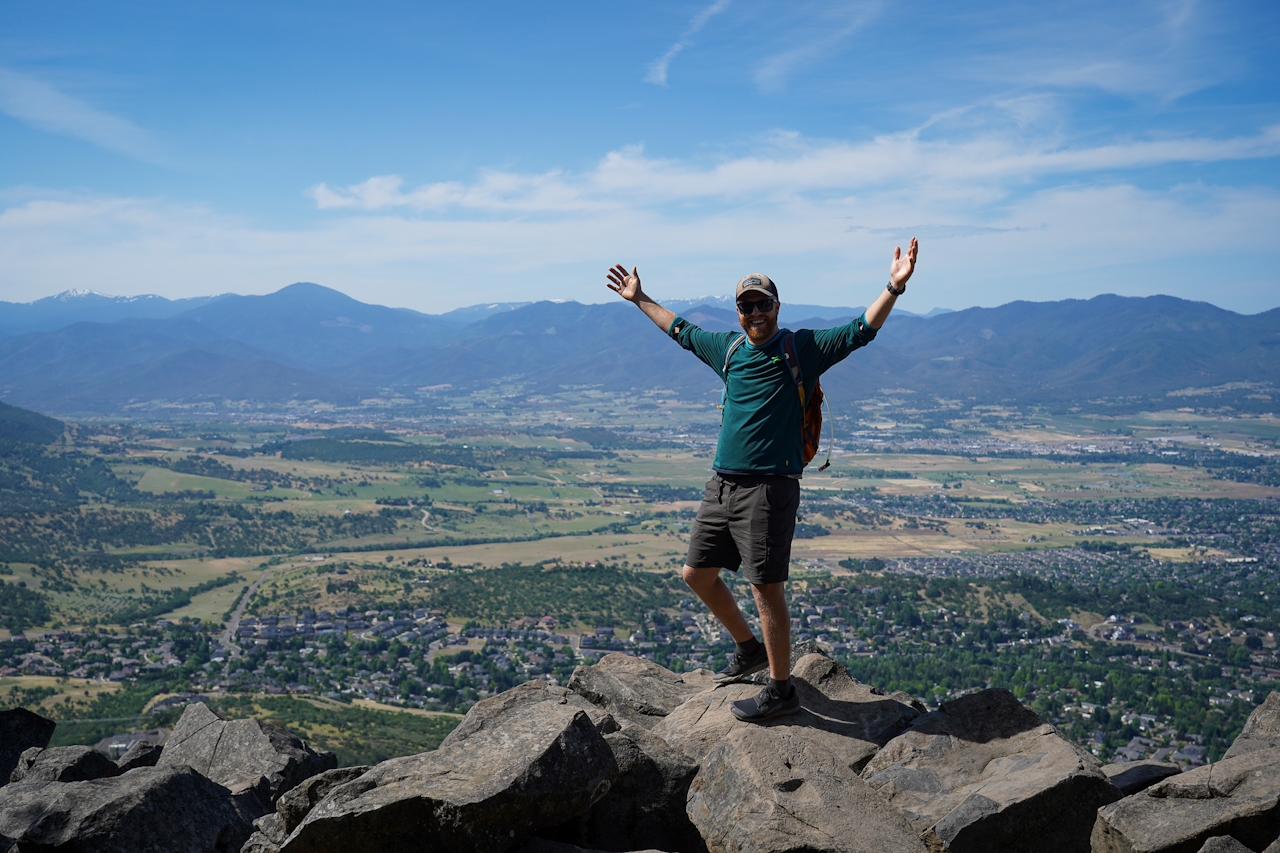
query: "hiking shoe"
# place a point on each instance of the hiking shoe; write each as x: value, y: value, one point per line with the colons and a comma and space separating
x: 766, y: 705
x: 741, y: 667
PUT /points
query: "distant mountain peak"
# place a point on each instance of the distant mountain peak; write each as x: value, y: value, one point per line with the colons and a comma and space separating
x: 76, y: 293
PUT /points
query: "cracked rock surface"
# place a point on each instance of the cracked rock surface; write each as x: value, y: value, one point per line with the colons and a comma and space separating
x: 243, y: 755
x: 986, y: 774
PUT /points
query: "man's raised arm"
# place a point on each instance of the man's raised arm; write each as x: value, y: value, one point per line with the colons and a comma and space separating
x: 627, y: 285
x: 899, y: 271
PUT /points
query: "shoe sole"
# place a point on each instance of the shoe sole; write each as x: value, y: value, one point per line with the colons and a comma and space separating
x: 781, y: 712
x: 738, y: 679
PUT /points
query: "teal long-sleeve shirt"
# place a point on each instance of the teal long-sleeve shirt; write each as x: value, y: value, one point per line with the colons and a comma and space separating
x: 761, y: 429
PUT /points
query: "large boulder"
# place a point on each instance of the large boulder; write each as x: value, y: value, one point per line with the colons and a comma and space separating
x: 1134, y: 776
x: 20, y: 730
x: 495, y: 712
x: 1236, y: 796
x: 243, y: 755
x: 984, y: 773
x: 858, y: 718
x: 634, y: 690
x: 1261, y: 730
x: 296, y: 804
x: 646, y: 805
x: 63, y: 764
x: 270, y: 831
x: 771, y: 789
x: 485, y: 794
x: 147, y: 810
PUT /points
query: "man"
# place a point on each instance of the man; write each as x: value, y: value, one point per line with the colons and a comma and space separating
x: 748, y: 513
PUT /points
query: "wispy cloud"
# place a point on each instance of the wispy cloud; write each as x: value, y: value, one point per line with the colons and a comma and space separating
x: 815, y: 42
x: 40, y: 105
x: 991, y: 164
x: 658, y: 68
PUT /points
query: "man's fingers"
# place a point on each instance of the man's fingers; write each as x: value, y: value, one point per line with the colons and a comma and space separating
x: 897, y: 252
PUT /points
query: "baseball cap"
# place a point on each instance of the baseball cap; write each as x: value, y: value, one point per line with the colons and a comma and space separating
x: 759, y: 282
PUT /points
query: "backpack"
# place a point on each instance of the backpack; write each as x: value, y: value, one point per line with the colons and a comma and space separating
x: 811, y: 409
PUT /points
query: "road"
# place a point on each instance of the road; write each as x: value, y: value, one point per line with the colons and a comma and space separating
x: 233, y: 624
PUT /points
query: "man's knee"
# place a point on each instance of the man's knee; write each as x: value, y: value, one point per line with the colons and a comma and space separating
x: 699, y: 578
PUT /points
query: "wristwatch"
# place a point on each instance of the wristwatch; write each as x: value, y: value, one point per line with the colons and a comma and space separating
x: 895, y: 291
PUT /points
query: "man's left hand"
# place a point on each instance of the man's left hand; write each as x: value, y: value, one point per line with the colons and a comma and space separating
x: 903, y: 266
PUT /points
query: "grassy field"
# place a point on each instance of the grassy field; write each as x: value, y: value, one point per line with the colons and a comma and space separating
x: 67, y: 693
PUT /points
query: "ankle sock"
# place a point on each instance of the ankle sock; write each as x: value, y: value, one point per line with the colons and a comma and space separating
x: 749, y: 647
x: 784, y: 688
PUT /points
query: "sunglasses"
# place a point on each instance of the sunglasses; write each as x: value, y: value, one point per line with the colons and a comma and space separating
x: 764, y: 306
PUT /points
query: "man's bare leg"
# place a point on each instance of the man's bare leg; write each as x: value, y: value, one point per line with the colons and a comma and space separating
x: 775, y: 624
x: 715, y: 593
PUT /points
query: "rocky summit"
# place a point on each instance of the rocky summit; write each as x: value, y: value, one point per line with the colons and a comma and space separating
x: 632, y: 757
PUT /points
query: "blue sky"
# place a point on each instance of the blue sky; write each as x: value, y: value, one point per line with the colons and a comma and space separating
x: 439, y: 155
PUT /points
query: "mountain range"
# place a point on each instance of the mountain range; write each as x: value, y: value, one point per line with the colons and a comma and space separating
x: 81, y: 353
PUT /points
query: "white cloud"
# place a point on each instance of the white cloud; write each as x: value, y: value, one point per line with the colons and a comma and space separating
x: 40, y: 105
x: 984, y: 164
x: 658, y: 68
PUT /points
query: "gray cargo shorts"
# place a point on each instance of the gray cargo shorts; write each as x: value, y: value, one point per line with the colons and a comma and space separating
x: 746, y: 520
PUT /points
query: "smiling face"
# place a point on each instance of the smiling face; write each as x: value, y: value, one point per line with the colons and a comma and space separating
x: 759, y: 325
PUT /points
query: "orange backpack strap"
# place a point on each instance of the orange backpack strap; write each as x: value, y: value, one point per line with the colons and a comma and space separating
x: 810, y: 409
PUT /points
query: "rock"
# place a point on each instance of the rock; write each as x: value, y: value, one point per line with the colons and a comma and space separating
x: 1261, y: 730
x: 62, y: 764
x: 20, y: 730
x: 143, y: 753
x: 985, y: 773
x: 1134, y: 776
x: 833, y: 702
x: 494, y: 712
x: 1273, y: 847
x: 487, y: 793
x: 1224, y: 844
x: 783, y: 788
x: 646, y: 805
x: 169, y: 809
x: 259, y: 843
x: 634, y: 690
x: 271, y: 826
x: 243, y: 755
x: 296, y: 804
x: 1236, y: 796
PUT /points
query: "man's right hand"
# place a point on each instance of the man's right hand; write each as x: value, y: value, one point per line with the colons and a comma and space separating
x: 625, y: 284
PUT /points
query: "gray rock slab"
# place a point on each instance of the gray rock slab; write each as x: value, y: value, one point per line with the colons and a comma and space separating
x: 1224, y: 844
x: 1134, y: 776
x: 294, y: 805
x: 646, y: 805
x: 143, y: 753
x: 243, y: 755
x: 495, y: 711
x: 20, y: 730
x: 63, y: 764
x: 147, y: 810
x: 487, y: 793
x: 859, y: 719
x: 634, y: 690
x: 1261, y: 730
x: 1273, y: 847
x: 985, y: 773
x: 1236, y: 796
x: 774, y: 789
